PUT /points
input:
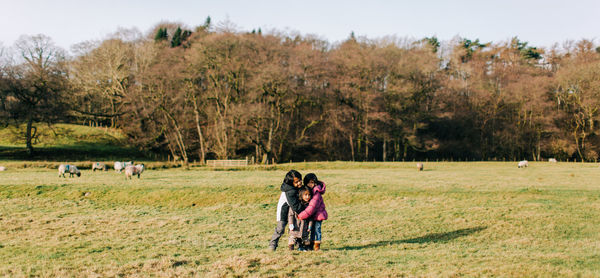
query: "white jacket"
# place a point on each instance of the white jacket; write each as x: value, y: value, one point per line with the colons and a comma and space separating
x: 282, y: 200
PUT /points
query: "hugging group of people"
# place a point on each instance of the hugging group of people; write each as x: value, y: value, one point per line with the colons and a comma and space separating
x: 301, y: 210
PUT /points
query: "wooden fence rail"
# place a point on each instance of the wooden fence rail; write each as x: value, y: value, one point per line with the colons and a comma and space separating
x: 227, y: 163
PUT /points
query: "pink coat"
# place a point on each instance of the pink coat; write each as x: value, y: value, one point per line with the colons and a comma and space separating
x: 316, y: 207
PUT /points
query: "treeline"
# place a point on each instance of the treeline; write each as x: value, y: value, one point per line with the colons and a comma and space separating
x: 217, y: 93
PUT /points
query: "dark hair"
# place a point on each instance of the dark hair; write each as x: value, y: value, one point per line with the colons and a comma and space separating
x: 289, y: 177
x: 301, y: 192
x: 311, y: 177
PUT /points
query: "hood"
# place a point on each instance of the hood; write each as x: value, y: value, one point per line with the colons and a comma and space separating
x: 319, y: 188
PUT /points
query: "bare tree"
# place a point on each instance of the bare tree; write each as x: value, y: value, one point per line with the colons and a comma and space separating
x: 103, y: 77
x: 36, y: 84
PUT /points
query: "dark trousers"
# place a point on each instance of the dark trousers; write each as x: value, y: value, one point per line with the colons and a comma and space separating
x: 279, y: 231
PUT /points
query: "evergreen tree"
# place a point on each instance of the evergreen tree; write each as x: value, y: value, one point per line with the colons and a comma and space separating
x: 352, y: 36
x: 176, y: 40
x: 471, y: 47
x: 185, y: 35
x: 161, y: 35
x: 434, y: 42
x: 207, y: 23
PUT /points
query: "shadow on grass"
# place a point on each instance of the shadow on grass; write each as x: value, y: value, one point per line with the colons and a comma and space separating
x: 434, y: 237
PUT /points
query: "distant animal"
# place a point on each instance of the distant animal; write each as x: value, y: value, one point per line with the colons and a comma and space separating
x: 523, y: 164
x: 553, y: 160
x: 120, y: 165
x: 99, y: 166
x: 134, y: 170
x: 66, y: 168
x: 420, y: 166
x: 2, y: 168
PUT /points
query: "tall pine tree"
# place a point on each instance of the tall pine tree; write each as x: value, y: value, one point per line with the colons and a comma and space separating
x: 161, y: 35
x: 176, y: 40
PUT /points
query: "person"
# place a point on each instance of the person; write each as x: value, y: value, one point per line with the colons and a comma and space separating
x: 299, y: 229
x: 315, y: 209
x: 288, y: 199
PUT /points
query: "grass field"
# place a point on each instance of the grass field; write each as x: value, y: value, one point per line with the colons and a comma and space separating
x: 386, y: 219
x: 62, y: 142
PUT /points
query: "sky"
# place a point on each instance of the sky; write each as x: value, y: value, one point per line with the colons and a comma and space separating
x: 539, y: 22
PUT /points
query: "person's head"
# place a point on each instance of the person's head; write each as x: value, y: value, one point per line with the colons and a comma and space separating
x: 311, y: 180
x: 305, y: 194
x: 293, y: 178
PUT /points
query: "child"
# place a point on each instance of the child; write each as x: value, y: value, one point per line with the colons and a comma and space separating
x: 315, y: 209
x: 287, y: 199
x: 299, y: 229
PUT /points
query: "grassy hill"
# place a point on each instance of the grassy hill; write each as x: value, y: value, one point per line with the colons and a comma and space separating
x: 67, y: 142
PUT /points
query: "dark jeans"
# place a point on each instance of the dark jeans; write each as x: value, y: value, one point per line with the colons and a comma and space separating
x: 279, y: 230
x: 315, y: 233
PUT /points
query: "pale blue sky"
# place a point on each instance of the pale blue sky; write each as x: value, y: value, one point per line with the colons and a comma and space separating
x: 541, y: 23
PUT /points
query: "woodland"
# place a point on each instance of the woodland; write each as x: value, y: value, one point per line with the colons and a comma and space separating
x: 215, y: 92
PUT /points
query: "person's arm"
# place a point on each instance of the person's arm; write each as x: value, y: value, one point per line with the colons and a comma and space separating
x: 293, y: 201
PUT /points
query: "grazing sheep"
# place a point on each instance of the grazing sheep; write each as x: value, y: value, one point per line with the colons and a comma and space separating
x: 134, y: 170
x: 553, y: 160
x: 99, y: 166
x: 71, y: 169
x: 523, y: 164
x: 2, y: 168
x: 420, y: 166
x: 119, y: 165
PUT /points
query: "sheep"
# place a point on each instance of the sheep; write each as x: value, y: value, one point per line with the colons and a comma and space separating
x: 2, y: 168
x: 420, y: 166
x: 553, y: 160
x: 71, y: 169
x: 119, y: 165
x: 134, y: 170
x: 99, y: 166
x: 523, y: 164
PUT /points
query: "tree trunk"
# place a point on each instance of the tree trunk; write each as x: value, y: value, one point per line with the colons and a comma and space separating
x: 384, y: 157
x: 269, y: 147
x: 366, y: 149
x: 179, y: 140
x: 30, y: 137
x: 200, y: 136
x: 577, y: 144
x: 113, y: 121
x: 351, y: 146
x: 257, y: 145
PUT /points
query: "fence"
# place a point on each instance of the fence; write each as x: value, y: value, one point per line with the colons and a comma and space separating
x: 227, y: 163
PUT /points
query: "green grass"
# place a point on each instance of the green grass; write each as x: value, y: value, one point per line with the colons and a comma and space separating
x: 386, y: 219
x: 67, y: 142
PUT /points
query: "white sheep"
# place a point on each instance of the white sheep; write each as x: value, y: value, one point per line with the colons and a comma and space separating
x: 2, y: 168
x: 119, y: 166
x: 553, y: 160
x: 134, y: 170
x: 523, y: 164
x: 71, y: 169
x: 99, y: 166
x: 420, y: 166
